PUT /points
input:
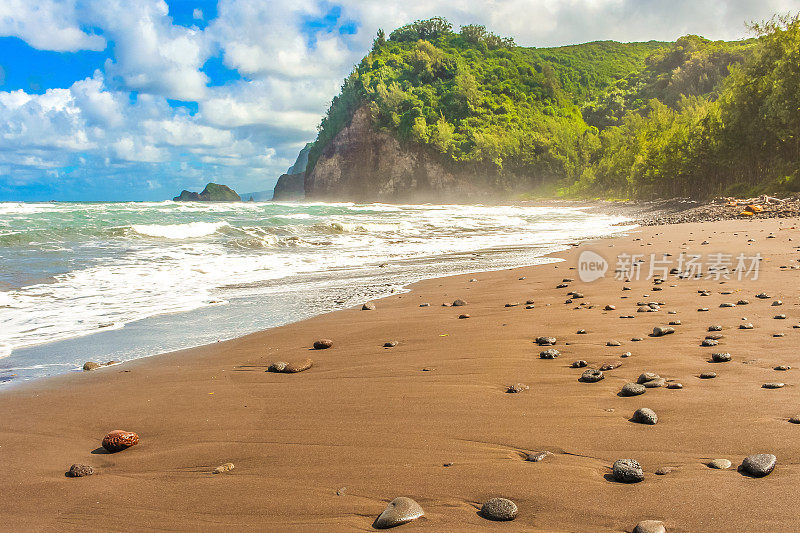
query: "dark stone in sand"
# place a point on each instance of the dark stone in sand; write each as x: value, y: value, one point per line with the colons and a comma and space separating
x: 743, y: 302
x: 763, y: 296
x: 277, y: 366
x: 720, y: 357
x: 703, y: 309
x: 447, y: 304
x: 627, y: 471
x: 610, y: 307
x: 545, y: 341
x: 592, y: 376
x: 581, y: 332
x: 610, y: 365
x: 636, y: 339
x: 674, y: 385
x: 773, y: 385
x: 613, y: 343
x: 660, y: 331
x: 530, y: 307
x: 425, y: 305
x: 632, y: 389
x: 714, y: 336
x: 647, y: 376
x: 459, y: 302
x: 795, y: 419
x: 499, y: 509
x: 709, y: 342
x: 399, y: 511
x: 390, y: 344
x: 746, y: 326
x: 708, y: 375
x: 369, y: 306
x: 779, y: 334
x: 530, y: 302
x: 760, y: 464
x: 715, y: 328
x: 650, y: 526
x: 562, y: 286
x: 512, y: 304
x: 79, y: 470
x: 119, y: 440
x: 777, y: 303
x: 655, y: 383
x: 322, y: 344
x: 645, y: 415
x: 727, y: 304
x: 517, y: 387
x: 90, y: 365
x: 550, y: 353
x: 780, y: 317
x: 580, y: 363
x: 675, y: 323
x: 783, y: 367
x: 538, y: 456
x: 463, y: 316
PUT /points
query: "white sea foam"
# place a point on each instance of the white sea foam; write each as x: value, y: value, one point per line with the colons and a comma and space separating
x: 192, y: 230
x: 185, y: 262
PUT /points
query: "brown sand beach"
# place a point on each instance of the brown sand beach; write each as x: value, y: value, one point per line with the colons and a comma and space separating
x: 326, y: 449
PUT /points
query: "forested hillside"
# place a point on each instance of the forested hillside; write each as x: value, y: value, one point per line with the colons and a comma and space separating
x: 694, y: 117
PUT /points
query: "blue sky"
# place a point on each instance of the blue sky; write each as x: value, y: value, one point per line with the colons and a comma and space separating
x: 119, y: 100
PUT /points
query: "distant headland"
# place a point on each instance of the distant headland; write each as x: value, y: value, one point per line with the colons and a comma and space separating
x: 213, y: 192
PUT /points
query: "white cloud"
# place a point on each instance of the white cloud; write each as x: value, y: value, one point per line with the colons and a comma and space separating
x: 47, y: 25
x: 197, y: 14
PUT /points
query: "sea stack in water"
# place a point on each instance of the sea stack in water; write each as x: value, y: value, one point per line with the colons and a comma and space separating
x: 399, y: 511
x: 119, y: 440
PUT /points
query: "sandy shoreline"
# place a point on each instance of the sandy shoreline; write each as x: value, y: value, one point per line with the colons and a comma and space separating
x: 368, y: 422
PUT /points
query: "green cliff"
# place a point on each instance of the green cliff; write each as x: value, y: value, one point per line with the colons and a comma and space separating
x: 212, y: 193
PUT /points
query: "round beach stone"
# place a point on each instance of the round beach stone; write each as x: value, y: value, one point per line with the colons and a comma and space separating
x: 655, y: 383
x: 323, y: 344
x: 645, y: 415
x: 390, y: 344
x: 674, y: 385
x: 743, y: 302
x: 79, y: 470
x: 610, y: 307
x: 708, y: 375
x: 538, y: 456
x: 660, y: 331
x: 119, y: 440
x: 715, y: 327
x: 516, y: 388
x: 719, y: 464
x: 464, y: 316
x: 727, y: 304
x: 760, y: 464
x: 776, y: 303
x: 627, y: 471
x: 499, y: 509
x: 650, y: 526
x: 90, y: 365
x: 613, y: 343
x: 715, y: 336
x: 773, y: 385
x: 779, y: 317
x: 545, y: 341
x: 399, y: 511
x: 663, y: 470
x: 647, y: 376
x: 721, y: 357
x: 746, y: 326
x: 592, y: 376
x: 225, y: 467
x: 763, y: 296
x: 632, y: 389
x: 459, y: 302
x: 581, y: 332
x: 709, y: 342
x: 610, y: 365
x: 550, y: 353
x: 580, y: 363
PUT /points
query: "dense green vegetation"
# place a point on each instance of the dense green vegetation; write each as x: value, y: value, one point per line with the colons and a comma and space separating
x: 694, y: 117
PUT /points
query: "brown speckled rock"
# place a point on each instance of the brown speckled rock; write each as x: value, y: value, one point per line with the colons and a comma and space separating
x: 79, y: 470
x: 650, y: 526
x: 399, y: 511
x: 221, y: 469
x: 499, y: 509
x: 90, y: 365
x: 323, y: 344
x: 119, y: 440
x: 298, y: 366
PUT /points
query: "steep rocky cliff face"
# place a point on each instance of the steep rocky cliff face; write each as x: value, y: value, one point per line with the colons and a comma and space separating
x: 362, y: 164
x: 289, y: 187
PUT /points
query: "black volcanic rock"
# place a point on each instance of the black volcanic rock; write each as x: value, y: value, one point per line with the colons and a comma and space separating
x: 290, y: 187
x: 213, y: 192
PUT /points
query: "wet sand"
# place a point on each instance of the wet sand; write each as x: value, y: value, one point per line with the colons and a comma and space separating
x: 326, y: 449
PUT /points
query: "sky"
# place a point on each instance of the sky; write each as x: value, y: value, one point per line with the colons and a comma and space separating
x: 112, y: 100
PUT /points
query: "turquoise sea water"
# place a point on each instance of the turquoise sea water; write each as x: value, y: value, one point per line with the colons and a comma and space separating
x: 101, y: 281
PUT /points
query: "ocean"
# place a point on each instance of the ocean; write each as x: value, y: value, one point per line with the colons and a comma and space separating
x: 118, y: 281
